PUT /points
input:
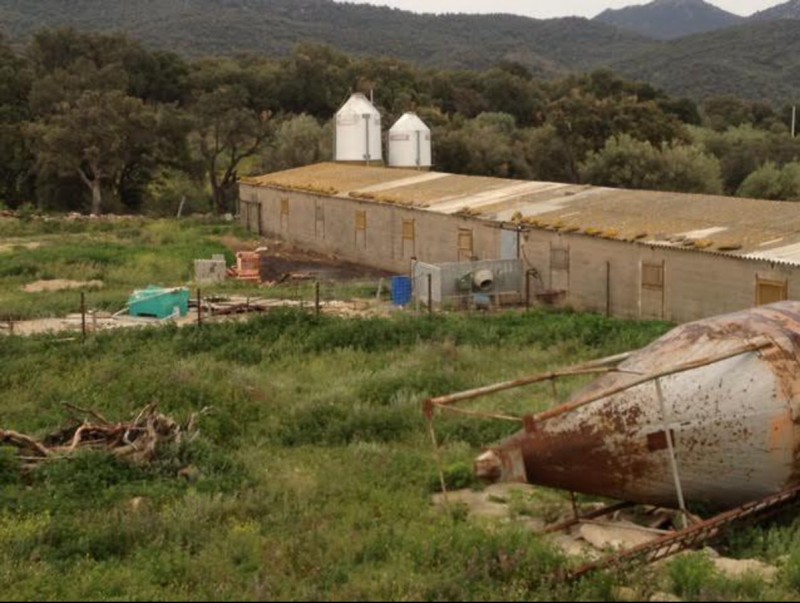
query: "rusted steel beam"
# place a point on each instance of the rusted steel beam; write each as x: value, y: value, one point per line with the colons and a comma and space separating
x: 568, y: 523
x: 701, y: 532
x: 759, y: 344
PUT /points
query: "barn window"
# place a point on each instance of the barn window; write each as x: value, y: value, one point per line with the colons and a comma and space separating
x: 361, y: 228
x: 361, y: 219
x: 771, y: 291
x: 285, y: 212
x: 407, y: 240
x: 559, y: 258
x: 408, y: 230
x: 319, y: 221
x: 652, y: 276
x: 465, y: 249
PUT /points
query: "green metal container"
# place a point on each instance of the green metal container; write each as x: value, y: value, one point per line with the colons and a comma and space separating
x: 159, y: 302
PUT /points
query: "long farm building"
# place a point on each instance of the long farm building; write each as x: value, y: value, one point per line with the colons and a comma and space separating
x: 626, y: 253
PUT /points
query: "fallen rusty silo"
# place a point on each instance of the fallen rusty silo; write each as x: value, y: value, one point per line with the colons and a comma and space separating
x: 707, y: 413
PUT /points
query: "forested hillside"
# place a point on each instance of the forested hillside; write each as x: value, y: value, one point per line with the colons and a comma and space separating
x: 274, y: 27
x: 100, y: 123
x: 757, y: 61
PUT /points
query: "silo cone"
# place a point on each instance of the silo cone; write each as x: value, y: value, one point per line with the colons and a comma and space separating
x: 709, y: 412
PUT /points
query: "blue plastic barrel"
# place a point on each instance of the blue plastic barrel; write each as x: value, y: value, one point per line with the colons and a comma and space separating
x: 401, y: 290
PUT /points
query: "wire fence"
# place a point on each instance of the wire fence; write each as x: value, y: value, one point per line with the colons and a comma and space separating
x: 211, y: 302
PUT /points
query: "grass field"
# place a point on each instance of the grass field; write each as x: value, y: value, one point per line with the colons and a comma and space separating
x: 314, y: 471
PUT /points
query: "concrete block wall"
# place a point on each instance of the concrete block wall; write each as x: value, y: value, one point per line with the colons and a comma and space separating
x: 608, y: 274
x: 328, y: 225
x: 603, y: 274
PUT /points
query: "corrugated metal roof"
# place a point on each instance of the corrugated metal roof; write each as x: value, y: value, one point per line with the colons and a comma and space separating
x: 751, y: 228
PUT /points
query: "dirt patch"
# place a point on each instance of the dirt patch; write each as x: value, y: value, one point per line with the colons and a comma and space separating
x: 278, y: 268
x: 59, y: 284
x: 9, y: 247
x: 280, y: 260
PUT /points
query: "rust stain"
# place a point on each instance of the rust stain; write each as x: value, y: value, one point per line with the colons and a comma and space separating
x: 781, y: 434
x: 604, y: 440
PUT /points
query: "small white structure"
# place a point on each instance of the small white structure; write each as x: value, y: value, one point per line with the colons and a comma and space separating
x: 357, y: 136
x: 410, y: 143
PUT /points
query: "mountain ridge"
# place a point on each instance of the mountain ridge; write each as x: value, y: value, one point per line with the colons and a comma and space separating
x: 787, y: 10
x: 669, y: 19
x: 754, y: 60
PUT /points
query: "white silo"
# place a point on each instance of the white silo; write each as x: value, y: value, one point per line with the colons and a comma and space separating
x: 357, y: 135
x: 410, y: 143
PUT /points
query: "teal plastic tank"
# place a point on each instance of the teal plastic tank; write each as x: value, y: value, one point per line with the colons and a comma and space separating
x: 159, y: 302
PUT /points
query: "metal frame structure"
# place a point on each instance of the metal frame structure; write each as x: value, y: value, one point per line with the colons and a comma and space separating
x: 692, y: 534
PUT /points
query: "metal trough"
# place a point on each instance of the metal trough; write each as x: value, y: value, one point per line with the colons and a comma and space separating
x: 707, y: 413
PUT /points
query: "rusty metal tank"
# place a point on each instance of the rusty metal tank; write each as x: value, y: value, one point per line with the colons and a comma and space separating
x: 707, y: 413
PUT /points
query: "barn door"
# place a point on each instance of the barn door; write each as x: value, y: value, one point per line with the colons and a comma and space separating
x: 651, y: 291
x: 361, y: 228
x: 409, y: 238
x: 769, y: 291
x: 465, y: 245
x: 508, y: 244
x: 559, y: 268
x: 252, y: 215
x: 254, y: 209
x: 319, y: 221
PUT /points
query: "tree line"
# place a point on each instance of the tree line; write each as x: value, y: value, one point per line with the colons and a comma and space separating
x: 98, y: 123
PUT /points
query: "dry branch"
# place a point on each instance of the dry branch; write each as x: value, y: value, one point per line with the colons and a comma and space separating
x: 138, y: 440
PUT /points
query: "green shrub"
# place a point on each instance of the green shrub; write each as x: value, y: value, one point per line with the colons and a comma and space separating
x: 692, y: 575
x: 10, y: 465
x: 456, y: 477
x: 328, y: 425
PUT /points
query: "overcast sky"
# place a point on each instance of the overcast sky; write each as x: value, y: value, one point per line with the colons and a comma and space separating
x: 544, y: 9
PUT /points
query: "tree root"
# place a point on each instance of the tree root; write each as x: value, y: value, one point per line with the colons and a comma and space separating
x: 137, y: 441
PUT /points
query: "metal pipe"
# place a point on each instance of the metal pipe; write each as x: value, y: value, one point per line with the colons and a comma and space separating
x: 527, y: 290
x: 671, y: 448
x: 366, y: 120
x: 601, y: 365
x: 430, y: 294
x: 83, y: 315
x: 479, y: 414
x: 439, y: 466
x: 498, y: 387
